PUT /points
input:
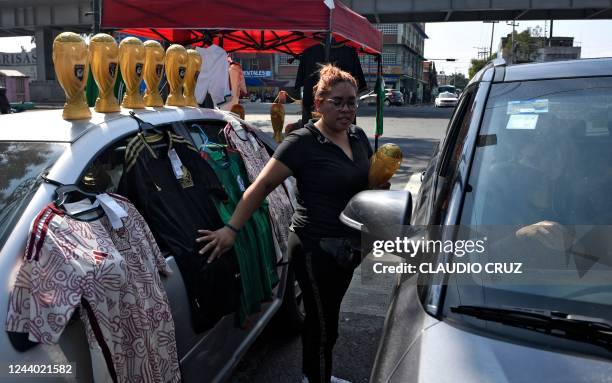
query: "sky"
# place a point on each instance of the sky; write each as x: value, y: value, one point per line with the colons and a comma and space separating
x: 461, y: 40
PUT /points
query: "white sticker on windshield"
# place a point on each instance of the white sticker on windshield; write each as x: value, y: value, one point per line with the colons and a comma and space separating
x: 523, y: 121
x: 529, y: 106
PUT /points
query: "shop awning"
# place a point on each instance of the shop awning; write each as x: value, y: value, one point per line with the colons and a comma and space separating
x: 236, y: 25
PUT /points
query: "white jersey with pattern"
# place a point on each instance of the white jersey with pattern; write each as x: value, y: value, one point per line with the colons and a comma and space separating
x: 112, y: 276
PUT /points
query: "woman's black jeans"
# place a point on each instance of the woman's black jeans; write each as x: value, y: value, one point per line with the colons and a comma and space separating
x: 323, y: 285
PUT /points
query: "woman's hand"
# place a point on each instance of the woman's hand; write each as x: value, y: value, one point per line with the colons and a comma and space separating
x: 219, y: 241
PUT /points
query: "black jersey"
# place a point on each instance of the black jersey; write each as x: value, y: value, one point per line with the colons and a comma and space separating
x: 175, y: 208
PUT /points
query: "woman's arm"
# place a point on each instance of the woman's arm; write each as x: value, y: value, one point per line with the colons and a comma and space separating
x: 221, y: 240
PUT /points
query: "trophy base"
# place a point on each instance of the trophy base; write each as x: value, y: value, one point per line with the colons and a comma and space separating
x: 76, y: 111
x: 133, y: 101
x: 107, y: 105
x: 238, y: 109
x: 175, y: 100
x: 153, y: 100
x: 191, y: 101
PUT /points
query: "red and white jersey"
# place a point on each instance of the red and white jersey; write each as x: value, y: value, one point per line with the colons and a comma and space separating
x: 113, y: 276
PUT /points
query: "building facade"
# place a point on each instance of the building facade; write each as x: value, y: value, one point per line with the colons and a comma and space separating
x: 540, y: 49
x: 402, y: 65
x: 402, y: 57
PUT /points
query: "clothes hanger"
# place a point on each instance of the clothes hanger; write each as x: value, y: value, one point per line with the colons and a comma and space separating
x: 143, y: 126
x: 73, y: 192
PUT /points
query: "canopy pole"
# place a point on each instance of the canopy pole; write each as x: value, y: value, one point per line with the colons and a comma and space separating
x: 380, y: 94
x: 328, y: 40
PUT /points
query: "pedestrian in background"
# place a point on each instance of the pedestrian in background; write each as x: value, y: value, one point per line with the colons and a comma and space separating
x: 5, y: 106
x: 329, y: 159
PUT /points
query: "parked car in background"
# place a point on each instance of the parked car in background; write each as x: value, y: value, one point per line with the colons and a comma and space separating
x: 446, y: 99
x: 392, y: 97
x: 70, y: 152
x: 526, y: 144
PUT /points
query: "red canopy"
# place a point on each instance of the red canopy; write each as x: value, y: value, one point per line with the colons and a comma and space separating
x: 238, y: 25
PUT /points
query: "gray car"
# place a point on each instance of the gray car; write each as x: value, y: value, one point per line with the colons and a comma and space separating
x: 40, y: 142
x: 527, y: 156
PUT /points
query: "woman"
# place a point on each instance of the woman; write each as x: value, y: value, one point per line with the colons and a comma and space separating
x: 329, y: 159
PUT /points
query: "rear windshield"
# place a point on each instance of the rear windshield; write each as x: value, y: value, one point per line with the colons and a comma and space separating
x: 21, y: 163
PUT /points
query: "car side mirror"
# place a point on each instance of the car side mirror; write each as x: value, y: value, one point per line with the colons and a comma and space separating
x: 373, y: 211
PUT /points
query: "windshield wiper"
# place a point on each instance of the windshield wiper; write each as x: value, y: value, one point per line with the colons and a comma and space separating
x: 596, y: 331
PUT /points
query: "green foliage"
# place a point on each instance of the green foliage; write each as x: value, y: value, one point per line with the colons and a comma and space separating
x: 478, y: 64
x: 459, y: 80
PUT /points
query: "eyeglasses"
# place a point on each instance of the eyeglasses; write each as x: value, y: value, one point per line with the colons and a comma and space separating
x: 351, y: 105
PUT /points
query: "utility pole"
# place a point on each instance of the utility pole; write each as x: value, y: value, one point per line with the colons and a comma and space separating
x: 514, y: 25
x: 551, y: 33
x: 492, y: 33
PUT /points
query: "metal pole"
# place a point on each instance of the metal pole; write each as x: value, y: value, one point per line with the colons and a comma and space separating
x: 97, y: 16
x: 551, y: 34
x: 492, y: 33
x: 328, y: 40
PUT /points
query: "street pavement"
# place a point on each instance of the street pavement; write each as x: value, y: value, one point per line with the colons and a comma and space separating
x: 276, y: 356
x: 416, y: 129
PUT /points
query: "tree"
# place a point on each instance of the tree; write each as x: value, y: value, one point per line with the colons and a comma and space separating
x: 459, y: 80
x: 478, y: 64
x: 526, y: 45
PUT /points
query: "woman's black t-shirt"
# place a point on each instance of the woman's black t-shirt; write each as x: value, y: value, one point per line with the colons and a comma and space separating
x: 326, y: 178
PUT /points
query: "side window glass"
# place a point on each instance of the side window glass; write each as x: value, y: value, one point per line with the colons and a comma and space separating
x: 451, y: 154
x: 457, y: 133
x: 105, y: 171
x: 201, y: 130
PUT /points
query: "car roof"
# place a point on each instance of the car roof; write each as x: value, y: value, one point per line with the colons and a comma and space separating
x: 498, y: 70
x: 559, y: 69
x: 49, y: 126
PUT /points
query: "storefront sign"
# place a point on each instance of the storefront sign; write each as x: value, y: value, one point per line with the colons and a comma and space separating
x: 17, y: 59
x: 258, y: 73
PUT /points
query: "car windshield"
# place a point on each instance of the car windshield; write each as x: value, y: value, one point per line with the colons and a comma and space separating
x: 448, y: 95
x: 21, y: 163
x: 542, y: 180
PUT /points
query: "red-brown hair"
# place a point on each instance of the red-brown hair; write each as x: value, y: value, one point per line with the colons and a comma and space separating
x: 330, y: 75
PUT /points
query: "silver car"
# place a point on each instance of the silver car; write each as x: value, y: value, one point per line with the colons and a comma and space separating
x: 42, y: 142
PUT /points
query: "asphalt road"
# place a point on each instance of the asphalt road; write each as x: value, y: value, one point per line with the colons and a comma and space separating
x: 276, y: 356
x: 416, y: 129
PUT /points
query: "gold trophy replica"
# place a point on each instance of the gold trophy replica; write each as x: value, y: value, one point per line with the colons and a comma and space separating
x: 71, y: 62
x: 104, y: 58
x: 194, y: 61
x: 131, y: 61
x: 277, y: 115
x: 176, y: 68
x: 383, y: 164
x: 239, y: 110
x: 153, y: 71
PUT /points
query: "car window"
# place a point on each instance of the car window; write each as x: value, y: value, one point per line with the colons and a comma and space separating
x: 546, y: 145
x: 544, y: 154
x: 105, y: 170
x: 455, y: 139
x: 451, y: 153
x: 21, y: 164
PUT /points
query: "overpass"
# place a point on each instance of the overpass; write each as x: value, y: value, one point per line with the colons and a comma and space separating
x: 401, y: 11
x: 44, y: 19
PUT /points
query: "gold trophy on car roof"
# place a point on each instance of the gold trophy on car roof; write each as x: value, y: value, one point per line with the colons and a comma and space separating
x: 194, y: 61
x: 153, y: 71
x: 131, y: 60
x: 176, y: 68
x: 71, y: 62
x: 104, y: 58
